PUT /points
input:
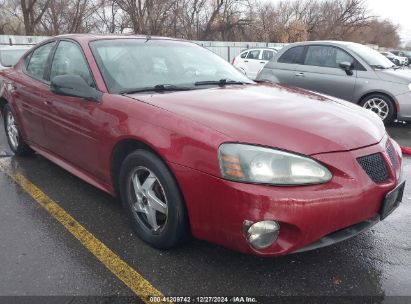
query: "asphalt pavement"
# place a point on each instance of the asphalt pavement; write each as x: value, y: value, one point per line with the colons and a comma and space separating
x: 38, y: 256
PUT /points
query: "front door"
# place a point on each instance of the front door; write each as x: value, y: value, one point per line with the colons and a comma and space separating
x: 321, y: 72
x: 70, y: 123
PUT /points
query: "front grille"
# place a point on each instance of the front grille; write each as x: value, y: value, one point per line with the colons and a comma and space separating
x: 391, y: 154
x: 374, y: 166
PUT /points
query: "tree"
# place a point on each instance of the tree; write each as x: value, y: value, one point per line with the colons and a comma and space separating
x: 32, y: 12
x: 379, y: 32
x: 110, y: 18
x: 235, y: 20
x: 69, y: 16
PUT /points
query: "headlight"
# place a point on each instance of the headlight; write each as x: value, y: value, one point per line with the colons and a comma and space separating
x: 253, y: 164
x: 409, y: 86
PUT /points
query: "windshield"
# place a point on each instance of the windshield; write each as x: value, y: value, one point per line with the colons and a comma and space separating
x: 370, y: 56
x: 9, y: 58
x: 136, y: 64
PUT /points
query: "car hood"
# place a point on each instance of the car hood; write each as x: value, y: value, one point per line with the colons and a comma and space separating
x: 398, y: 76
x: 276, y: 116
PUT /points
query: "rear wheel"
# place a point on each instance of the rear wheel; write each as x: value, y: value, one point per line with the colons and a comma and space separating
x: 381, y: 105
x: 16, y: 142
x: 153, y: 201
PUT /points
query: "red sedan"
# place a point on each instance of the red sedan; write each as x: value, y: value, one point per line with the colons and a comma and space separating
x: 193, y: 147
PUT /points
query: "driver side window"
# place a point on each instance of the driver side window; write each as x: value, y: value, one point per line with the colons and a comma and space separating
x: 326, y: 56
x: 69, y: 60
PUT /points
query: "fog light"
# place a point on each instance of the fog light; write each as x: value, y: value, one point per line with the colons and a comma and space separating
x: 263, y: 234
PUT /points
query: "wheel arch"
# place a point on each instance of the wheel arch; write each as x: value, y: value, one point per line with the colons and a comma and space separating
x: 126, y: 146
x: 120, y: 151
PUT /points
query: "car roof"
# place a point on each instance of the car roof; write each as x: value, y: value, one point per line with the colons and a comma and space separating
x: 92, y: 37
x: 325, y: 42
x: 260, y: 48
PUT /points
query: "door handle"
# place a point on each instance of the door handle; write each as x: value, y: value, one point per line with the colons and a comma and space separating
x: 48, y: 102
x: 299, y: 74
x: 245, y: 60
x: 262, y: 61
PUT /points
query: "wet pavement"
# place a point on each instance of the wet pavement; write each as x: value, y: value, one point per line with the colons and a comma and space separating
x: 39, y: 257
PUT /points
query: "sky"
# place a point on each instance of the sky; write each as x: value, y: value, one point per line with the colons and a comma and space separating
x: 398, y: 11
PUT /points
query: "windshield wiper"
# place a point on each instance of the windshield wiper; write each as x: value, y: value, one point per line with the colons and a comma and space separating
x: 221, y: 82
x: 156, y: 88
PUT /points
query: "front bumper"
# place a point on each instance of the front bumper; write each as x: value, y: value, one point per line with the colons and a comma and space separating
x: 341, y: 235
x: 404, y: 103
x: 218, y: 208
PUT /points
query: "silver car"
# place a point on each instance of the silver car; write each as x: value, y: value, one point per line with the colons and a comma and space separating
x: 346, y: 70
x: 9, y: 55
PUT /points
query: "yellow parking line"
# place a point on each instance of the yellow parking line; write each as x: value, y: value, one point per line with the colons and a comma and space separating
x: 140, y: 286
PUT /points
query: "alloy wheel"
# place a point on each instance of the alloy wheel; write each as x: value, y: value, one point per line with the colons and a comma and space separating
x: 149, y: 202
x: 378, y: 106
x: 12, y: 130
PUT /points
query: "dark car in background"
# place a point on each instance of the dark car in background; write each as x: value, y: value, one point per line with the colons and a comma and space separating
x: 346, y: 70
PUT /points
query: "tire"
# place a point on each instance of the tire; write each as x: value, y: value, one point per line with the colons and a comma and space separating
x: 155, y: 181
x: 382, y: 105
x: 14, y: 139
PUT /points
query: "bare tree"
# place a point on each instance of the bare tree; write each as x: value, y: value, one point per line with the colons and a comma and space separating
x: 189, y: 14
x: 69, y: 16
x: 252, y: 20
x: 110, y: 18
x: 379, y: 32
x: 32, y: 12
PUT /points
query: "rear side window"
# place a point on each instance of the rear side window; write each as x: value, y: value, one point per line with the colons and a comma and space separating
x: 268, y: 55
x: 293, y: 55
x: 38, y: 61
x: 253, y: 54
x: 243, y: 55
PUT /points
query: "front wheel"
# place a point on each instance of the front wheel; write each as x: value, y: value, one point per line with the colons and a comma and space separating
x: 153, y: 200
x: 16, y: 142
x: 380, y: 105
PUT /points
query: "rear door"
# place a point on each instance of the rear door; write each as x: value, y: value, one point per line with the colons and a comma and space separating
x: 253, y: 63
x: 267, y: 55
x: 321, y: 72
x: 31, y: 91
x: 239, y: 62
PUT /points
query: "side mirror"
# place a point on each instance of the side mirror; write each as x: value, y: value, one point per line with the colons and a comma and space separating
x: 347, y: 67
x: 74, y: 85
